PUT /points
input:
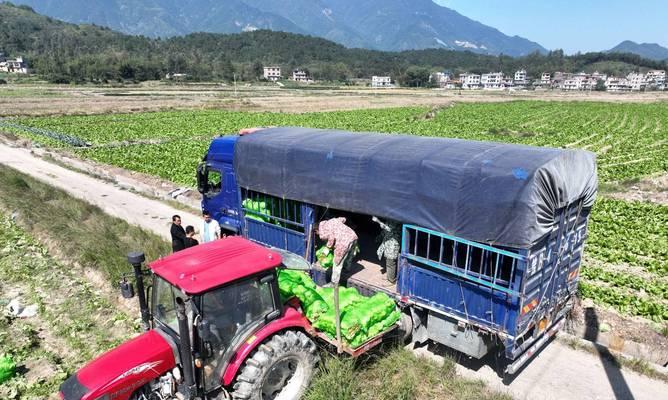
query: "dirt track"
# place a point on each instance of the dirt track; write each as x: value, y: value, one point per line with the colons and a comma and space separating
x: 559, y: 372
x: 40, y: 100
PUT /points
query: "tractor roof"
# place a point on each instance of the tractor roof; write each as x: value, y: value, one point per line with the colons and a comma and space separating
x: 200, y: 268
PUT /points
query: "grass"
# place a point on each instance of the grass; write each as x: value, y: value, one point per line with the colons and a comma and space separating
x: 393, y: 374
x: 74, y: 323
x: 81, y: 232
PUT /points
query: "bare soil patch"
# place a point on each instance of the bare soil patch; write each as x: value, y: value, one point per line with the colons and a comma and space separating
x: 624, y: 334
x: 652, y: 189
x: 39, y: 100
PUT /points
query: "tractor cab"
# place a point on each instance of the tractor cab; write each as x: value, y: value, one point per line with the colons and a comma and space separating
x: 231, y: 291
x: 209, y: 304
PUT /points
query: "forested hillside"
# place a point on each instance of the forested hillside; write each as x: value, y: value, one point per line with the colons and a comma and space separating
x: 63, y: 52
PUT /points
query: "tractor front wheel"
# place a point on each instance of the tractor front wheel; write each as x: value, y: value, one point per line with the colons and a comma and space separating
x: 279, y: 369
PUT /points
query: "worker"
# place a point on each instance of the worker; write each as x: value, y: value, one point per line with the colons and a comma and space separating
x: 389, y: 248
x: 190, y: 240
x: 178, y: 234
x: 342, y: 239
x: 210, y: 228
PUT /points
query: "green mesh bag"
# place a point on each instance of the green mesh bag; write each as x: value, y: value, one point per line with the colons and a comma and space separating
x: 316, y: 309
x: 325, y: 257
x: 347, y: 297
x: 7, y: 369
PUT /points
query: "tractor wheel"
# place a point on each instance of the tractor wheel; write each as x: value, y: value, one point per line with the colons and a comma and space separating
x: 281, y: 368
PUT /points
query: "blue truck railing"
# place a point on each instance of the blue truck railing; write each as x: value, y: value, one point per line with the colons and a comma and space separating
x: 275, y: 210
x: 483, y: 265
x: 277, y: 222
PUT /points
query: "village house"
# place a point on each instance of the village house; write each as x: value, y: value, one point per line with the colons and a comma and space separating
x: 492, y: 81
x: 300, y: 75
x: 545, y: 79
x: 381, y: 81
x: 444, y: 80
x: 656, y: 79
x: 617, y: 85
x: 470, y: 81
x: 13, y: 66
x: 521, y: 78
x: 637, y: 81
x: 272, y: 73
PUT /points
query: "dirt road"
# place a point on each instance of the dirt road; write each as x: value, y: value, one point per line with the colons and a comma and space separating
x: 150, y: 214
x: 558, y: 372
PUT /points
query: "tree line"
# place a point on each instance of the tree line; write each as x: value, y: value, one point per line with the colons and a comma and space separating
x: 63, y: 52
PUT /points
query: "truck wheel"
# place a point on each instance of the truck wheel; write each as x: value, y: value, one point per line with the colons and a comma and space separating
x: 281, y: 368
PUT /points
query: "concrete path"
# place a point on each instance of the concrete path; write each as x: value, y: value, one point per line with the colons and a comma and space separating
x: 149, y: 214
x: 558, y: 372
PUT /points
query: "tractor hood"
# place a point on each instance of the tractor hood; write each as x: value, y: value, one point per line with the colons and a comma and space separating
x: 121, y: 371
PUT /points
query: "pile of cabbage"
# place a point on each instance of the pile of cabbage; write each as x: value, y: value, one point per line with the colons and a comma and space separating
x: 362, y: 317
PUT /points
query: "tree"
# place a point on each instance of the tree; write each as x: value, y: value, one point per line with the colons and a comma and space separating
x: 415, y: 77
x: 257, y: 70
x: 126, y: 71
x: 600, y: 86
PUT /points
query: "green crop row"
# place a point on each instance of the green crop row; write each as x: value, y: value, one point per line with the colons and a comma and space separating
x: 653, y: 287
x: 625, y: 302
x: 629, y: 232
x: 630, y: 140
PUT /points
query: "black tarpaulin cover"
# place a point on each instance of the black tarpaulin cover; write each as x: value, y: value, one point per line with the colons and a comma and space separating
x: 496, y: 193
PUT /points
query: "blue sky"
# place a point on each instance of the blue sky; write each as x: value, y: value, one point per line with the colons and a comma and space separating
x: 586, y: 25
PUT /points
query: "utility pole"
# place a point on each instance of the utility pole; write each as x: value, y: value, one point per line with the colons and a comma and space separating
x: 234, y: 75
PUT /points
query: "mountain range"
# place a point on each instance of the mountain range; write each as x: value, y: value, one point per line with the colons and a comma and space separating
x: 372, y: 24
x: 651, y: 51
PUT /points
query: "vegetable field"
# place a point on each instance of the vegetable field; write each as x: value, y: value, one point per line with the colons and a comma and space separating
x: 627, y: 252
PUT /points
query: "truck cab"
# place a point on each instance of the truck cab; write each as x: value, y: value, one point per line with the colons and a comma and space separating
x: 217, y: 183
x: 207, y: 310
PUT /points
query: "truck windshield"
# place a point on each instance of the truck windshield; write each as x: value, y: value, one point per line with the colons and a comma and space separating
x: 164, y: 303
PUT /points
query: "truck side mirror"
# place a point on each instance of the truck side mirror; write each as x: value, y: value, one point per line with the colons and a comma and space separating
x: 127, y: 290
x: 202, y: 178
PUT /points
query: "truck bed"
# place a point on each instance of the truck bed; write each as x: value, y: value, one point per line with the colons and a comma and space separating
x: 369, y: 278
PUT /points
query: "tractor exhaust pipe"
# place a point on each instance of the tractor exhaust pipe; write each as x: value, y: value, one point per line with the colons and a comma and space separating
x: 136, y: 259
x: 186, y: 350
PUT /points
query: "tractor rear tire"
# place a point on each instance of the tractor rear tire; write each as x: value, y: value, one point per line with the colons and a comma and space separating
x: 281, y: 368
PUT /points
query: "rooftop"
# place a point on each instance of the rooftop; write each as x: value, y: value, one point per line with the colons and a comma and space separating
x: 200, y: 268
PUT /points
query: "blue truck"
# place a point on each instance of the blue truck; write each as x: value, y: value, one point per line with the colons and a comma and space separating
x: 492, y: 234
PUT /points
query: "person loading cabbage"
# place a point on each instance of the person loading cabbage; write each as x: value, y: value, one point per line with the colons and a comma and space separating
x: 389, y: 247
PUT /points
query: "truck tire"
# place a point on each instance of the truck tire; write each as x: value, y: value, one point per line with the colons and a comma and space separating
x: 280, y: 368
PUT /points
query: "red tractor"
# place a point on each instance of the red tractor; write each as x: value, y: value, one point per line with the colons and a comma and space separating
x: 216, y: 329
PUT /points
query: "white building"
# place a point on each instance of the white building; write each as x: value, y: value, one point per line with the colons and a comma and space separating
x: 572, y: 84
x: 16, y: 66
x: 617, y: 85
x: 470, y: 81
x: 444, y: 80
x: 637, y: 81
x: 381, y: 81
x: 597, y: 76
x: 546, y: 79
x: 492, y: 81
x: 272, y: 73
x: 521, y: 78
x: 299, y: 75
x: 656, y: 79
x: 581, y: 81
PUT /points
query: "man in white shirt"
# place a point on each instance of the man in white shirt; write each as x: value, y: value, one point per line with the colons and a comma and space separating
x: 210, y: 229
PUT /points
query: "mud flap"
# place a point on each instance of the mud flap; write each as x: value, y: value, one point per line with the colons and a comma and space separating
x: 531, y: 351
